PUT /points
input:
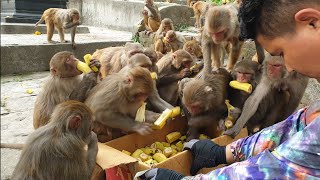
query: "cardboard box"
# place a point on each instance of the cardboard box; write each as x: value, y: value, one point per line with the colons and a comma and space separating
x: 123, y: 167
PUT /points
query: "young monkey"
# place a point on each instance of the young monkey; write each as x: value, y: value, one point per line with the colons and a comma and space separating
x: 64, y: 83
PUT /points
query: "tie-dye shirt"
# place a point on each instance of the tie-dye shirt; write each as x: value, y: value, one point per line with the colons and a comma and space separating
x: 287, y: 150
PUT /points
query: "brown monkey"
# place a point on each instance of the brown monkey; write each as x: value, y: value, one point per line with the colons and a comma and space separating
x: 57, y: 150
x: 221, y: 25
x: 190, y: 3
x: 204, y: 102
x: 193, y: 47
x: 199, y: 9
x: 64, y: 83
x: 277, y: 95
x: 170, y: 43
x: 113, y: 59
x: 60, y: 19
x: 154, y: 101
x: 151, y: 16
x: 166, y: 25
x: 245, y: 71
x: 154, y: 57
x: 172, y: 68
x: 115, y: 102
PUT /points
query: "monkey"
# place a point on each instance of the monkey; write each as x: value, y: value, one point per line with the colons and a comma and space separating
x: 113, y: 59
x: 115, y: 101
x: 190, y: 3
x: 151, y: 16
x: 154, y: 101
x: 245, y: 71
x: 276, y: 96
x: 199, y: 9
x: 65, y: 82
x: 154, y: 57
x: 165, y: 26
x: 172, y: 68
x: 203, y: 101
x: 57, y: 150
x: 60, y: 19
x: 170, y: 43
x: 221, y: 25
x: 193, y: 47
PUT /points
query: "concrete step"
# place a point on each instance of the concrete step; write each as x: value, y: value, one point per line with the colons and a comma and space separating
x: 23, y: 53
x: 24, y: 28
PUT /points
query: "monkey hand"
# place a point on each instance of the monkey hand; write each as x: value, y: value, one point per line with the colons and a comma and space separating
x: 95, y: 63
x: 235, y: 113
x: 142, y: 128
x: 235, y: 130
x: 93, y: 140
x: 221, y: 126
x: 184, y: 73
x: 205, y: 154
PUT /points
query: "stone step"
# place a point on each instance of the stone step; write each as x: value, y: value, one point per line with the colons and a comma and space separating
x: 24, y: 28
x: 24, y: 53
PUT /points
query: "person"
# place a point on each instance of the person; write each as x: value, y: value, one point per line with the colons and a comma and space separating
x: 289, y: 149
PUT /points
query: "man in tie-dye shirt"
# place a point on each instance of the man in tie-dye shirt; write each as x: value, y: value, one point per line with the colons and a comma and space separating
x: 289, y: 149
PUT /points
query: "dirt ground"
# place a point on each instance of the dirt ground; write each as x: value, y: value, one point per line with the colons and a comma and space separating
x: 17, y: 109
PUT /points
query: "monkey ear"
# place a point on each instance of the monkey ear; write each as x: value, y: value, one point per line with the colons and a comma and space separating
x: 207, y: 89
x: 128, y: 80
x: 53, y: 71
x: 75, y: 122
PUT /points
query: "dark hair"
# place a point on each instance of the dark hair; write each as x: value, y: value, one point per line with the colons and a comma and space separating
x: 270, y: 18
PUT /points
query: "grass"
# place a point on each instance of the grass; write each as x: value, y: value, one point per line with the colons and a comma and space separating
x: 180, y: 27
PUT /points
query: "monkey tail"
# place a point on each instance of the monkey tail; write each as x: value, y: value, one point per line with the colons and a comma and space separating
x: 40, y: 21
x: 12, y: 146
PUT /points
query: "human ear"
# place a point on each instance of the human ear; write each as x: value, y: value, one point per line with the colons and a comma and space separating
x: 308, y: 16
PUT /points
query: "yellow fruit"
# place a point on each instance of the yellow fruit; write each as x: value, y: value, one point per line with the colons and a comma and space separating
x: 179, y: 146
x: 161, y: 121
x: 176, y: 111
x: 241, y: 86
x: 228, y: 123
x: 87, y: 59
x: 149, y: 162
x: 165, y: 144
x: 203, y: 136
x: 154, y: 76
x: 83, y: 67
x: 29, y: 91
x: 171, y: 137
x: 157, y: 145
x: 37, y: 33
x: 126, y: 152
x: 136, y: 153
x: 144, y: 157
x: 167, y: 151
x: 159, y: 157
x: 183, y: 138
x: 148, y: 150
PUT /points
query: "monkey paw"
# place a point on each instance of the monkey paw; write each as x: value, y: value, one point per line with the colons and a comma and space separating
x: 233, y: 132
x: 143, y: 128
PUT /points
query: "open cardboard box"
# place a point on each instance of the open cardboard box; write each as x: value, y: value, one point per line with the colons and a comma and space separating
x: 123, y: 167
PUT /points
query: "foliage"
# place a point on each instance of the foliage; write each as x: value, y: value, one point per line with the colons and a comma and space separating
x: 136, y: 38
x: 180, y: 27
x: 219, y: 2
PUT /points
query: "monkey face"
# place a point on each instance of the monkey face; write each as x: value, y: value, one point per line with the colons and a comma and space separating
x: 243, y: 77
x: 275, y: 70
x: 70, y: 67
x: 194, y: 108
x: 218, y: 36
